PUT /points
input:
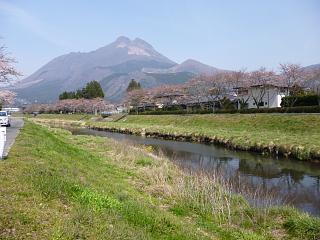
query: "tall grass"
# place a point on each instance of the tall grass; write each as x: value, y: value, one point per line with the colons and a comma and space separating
x: 225, y: 200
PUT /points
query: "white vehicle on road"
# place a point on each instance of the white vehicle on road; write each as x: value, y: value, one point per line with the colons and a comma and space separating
x: 4, y: 119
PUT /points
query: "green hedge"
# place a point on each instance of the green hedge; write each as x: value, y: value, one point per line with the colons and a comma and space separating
x: 165, y: 112
x: 303, y: 100
x: 304, y: 109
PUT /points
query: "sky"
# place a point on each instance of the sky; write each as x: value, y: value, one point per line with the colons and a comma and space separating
x: 225, y: 34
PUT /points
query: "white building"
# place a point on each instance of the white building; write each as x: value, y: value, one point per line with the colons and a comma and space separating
x: 266, y: 96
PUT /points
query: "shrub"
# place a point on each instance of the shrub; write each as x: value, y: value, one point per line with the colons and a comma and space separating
x: 303, y: 100
x: 227, y: 104
x: 164, y: 112
x: 301, y: 109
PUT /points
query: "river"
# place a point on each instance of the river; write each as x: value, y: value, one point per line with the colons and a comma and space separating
x: 287, y: 181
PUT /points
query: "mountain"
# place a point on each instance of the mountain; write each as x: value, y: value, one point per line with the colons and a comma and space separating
x: 113, y: 65
x: 313, y: 67
x: 189, y: 65
x: 194, y: 66
x: 314, y: 81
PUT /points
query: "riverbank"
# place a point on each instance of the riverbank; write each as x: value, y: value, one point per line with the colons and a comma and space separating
x: 295, y: 136
x: 289, y: 135
x: 55, y: 185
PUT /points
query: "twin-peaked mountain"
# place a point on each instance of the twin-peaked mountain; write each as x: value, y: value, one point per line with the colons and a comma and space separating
x: 113, y: 66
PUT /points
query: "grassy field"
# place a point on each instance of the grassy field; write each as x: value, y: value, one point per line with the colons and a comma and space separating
x: 294, y: 135
x: 74, y: 117
x: 58, y: 186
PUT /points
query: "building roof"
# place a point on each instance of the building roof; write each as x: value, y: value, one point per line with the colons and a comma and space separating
x: 261, y: 85
x: 169, y: 95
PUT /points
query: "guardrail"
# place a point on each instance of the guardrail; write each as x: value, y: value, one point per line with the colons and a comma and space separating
x: 3, y: 139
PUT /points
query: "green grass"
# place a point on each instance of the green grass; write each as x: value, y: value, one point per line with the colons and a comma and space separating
x: 295, y: 135
x: 75, y: 117
x: 58, y: 186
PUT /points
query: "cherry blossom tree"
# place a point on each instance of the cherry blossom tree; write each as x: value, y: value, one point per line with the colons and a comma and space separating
x: 239, y: 81
x: 135, y: 97
x: 7, y: 73
x: 7, y: 97
x: 167, y: 94
x: 291, y: 75
x: 196, y: 88
x: 7, y: 70
x: 210, y: 88
x: 91, y: 106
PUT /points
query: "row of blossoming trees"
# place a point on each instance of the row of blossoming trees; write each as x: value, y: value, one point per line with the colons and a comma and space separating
x: 89, y: 99
x: 224, y: 86
x: 80, y: 105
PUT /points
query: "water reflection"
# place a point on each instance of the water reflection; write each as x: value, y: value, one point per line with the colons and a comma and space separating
x: 290, y: 181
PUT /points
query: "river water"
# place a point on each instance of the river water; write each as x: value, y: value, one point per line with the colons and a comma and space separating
x: 287, y: 181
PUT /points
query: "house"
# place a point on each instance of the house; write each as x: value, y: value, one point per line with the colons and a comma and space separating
x: 261, y: 96
x: 121, y: 109
x: 166, y: 99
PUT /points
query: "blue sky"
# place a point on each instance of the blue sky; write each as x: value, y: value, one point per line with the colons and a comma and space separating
x: 224, y: 34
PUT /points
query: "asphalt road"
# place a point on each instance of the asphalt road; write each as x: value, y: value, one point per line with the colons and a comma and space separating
x: 12, y: 133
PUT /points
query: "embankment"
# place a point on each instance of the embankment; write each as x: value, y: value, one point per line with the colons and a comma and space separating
x: 289, y: 135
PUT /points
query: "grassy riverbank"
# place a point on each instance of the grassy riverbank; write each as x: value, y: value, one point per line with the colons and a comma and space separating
x: 58, y: 186
x: 292, y: 135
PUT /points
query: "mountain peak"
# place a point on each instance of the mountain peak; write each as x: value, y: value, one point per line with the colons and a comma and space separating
x: 141, y: 43
x: 191, y: 61
x: 137, y: 47
x: 125, y: 42
x: 123, y: 39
